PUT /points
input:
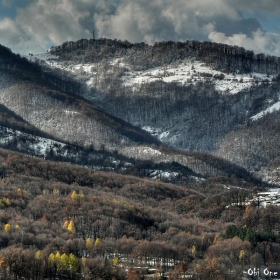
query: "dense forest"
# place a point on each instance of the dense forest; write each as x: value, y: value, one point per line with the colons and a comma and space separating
x: 32, y: 102
x: 220, y: 56
x: 71, y: 222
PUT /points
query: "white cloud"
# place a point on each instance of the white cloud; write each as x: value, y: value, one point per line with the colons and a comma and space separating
x: 45, y: 22
x: 52, y: 21
x: 163, y: 20
x: 12, y: 35
x: 259, y: 42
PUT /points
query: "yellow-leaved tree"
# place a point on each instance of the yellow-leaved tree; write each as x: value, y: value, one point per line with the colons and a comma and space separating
x: 7, y: 228
x: 97, y: 242
x: 71, y: 227
x: 64, y: 259
x: 65, y: 224
x: 116, y: 261
x: 7, y: 201
x: 73, y: 263
x: 241, y: 254
x: 89, y: 243
x: 84, y: 262
x: 57, y: 257
x: 51, y: 259
x: 38, y: 255
x: 193, y: 249
x: 74, y: 195
x: 58, y: 261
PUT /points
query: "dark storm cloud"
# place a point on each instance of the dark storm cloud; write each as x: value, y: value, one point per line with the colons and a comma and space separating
x: 45, y: 22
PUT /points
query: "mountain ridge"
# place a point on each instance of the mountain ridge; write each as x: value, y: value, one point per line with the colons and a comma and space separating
x: 195, y: 115
x: 213, y: 51
x: 190, y: 95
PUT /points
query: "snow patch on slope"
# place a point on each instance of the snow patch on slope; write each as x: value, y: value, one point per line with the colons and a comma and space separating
x: 186, y: 72
x: 266, y: 198
x: 156, y: 132
x: 271, y: 109
x: 152, y: 130
x: 191, y: 72
x: 165, y: 175
x: 71, y: 112
x: 163, y: 135
x: 35, y: 144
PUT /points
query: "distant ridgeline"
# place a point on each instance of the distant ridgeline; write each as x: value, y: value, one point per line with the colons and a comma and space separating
x: 14, y: 62
x: 220, y: 56
x: 23, y: 68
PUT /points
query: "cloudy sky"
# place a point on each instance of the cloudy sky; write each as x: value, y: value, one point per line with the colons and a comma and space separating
x: 35, y: 25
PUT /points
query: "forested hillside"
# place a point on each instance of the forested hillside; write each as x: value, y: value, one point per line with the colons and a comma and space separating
x: 70, y: 222
x: 196, y: 96
x: 34, y: 106
x: 143, y: 56
x: 24, y: 92
x: 138, y: 162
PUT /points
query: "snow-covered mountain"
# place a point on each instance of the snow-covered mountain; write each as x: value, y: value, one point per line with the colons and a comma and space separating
x: 193, y: 96
x: 189, y: 71
x: 200, y: 97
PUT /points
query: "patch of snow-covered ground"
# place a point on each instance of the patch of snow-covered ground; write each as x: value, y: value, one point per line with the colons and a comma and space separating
x: 165, y: 175
x: 191, y: 72
x: 152, y: 130
x: 263, y: 199
x: 41, y: 146
x: 71, y: 112
x: 198, y: 179
x: 267, y: 198
x: 187, y: 72
x: 271, y: 109
x: 156, y: 132
x: 143, y: 152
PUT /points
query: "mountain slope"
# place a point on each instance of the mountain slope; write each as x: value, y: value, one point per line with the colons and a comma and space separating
x: 51, y: 211
x: 195, y: 112
x: 24, y: 92
x: 194, y: 96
